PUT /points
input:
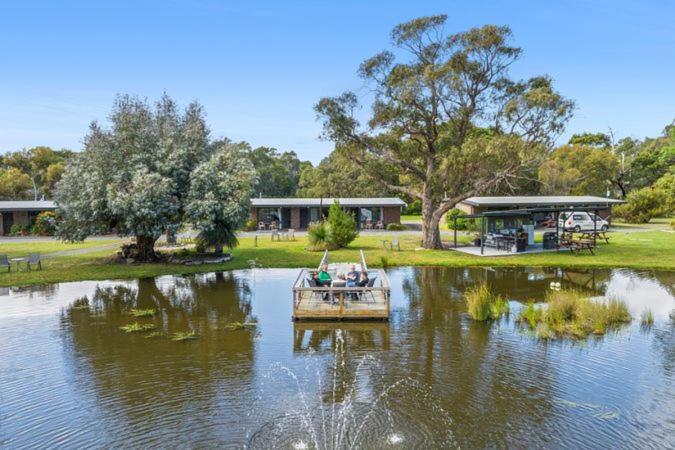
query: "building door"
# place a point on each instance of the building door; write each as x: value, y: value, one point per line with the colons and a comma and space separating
x: 285, y: 217
x: 304, y: 218
x: 7, y: 222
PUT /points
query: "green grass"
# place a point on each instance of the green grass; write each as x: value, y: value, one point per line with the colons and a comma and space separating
x: 569, y: 314
x: 483, y: 304
x: 17, y: 248
x: 137, y: 327
x: 648, y: 249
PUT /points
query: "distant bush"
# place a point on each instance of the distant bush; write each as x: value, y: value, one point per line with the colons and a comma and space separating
x: 341, y: 226
x: 45, y: 224
x: 396, y: 227
x: 317, y: 234
x: 666, y: 184
x: 462, y: 222
x: 642, y: 205
x: 414, y: 208
x: 250, y: 225
x: 672, y: 224
x: 19, y: 230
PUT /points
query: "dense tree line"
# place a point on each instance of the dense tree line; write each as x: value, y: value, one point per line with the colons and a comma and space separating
x: 31, y: 174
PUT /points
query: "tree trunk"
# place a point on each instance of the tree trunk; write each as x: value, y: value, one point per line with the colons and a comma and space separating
x: 171, y: 237
x: 218, y: 249
x: 146, y: 248
x: 431, y: 235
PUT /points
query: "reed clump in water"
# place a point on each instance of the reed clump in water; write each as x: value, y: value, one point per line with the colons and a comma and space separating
x: 142, y: 312
x: 240, y: 325
x: 137, y: 327
x: 647, y: 318
x: 569, y: 313
x: 184, y: 336
x: 483, y: 304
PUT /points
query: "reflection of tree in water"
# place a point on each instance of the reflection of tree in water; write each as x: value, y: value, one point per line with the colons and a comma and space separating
x: 480, y: 379
x: 143, y: 380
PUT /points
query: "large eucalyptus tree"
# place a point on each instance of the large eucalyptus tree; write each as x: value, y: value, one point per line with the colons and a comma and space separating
x: 448, y: 118
x: 152, y: 171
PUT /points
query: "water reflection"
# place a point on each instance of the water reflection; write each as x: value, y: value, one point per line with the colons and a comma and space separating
x: 144, y: 381
x: 72, y: 378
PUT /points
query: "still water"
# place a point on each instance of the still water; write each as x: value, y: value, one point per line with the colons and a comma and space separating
x: 431, y: 377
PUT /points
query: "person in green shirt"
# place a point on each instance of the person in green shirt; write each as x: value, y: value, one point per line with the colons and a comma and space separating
x: 324, y: 277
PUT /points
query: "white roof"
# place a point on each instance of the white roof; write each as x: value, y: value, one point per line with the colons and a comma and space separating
x: 541, y: 200
x: 27, y: 205
x: 326, y: 202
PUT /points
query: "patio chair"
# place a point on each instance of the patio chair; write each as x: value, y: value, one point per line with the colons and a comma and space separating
x: 4, y: 262
x: 291, y: 234
x: 261, y: 225
x: 370, y: 285
x: 395, y: 244
x: 35, y: 260
x: 379, y: 225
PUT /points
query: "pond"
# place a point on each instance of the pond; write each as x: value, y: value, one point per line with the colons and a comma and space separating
x: 430, y: 377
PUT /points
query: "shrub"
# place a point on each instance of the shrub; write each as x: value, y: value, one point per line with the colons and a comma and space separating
x: 341, y: 226
x: 414, y: 208
x: 642, y: 205
x: 568, y: 313
x: 45, y: 224
x: 666, y: 184
x: 483, y: 304
x: 462, y: 223
x: 19, y: 230
x: 672, y: 224
x: 250, y: 225
x: 396, y: 227
x: 317, y: 233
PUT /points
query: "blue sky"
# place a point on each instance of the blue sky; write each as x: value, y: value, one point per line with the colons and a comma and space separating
x: 259, y: 67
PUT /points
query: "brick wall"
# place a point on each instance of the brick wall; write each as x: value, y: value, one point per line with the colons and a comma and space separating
x: 21, y: 217
x: 295, y: 218
x: 391, y: 215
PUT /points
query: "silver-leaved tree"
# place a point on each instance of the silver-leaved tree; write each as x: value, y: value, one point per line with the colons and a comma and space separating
x: 151, y: 172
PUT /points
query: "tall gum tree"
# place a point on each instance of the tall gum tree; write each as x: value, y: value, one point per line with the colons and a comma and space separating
x: 448, y: 118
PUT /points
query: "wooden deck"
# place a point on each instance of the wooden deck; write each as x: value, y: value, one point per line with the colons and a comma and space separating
x: 341, y: 303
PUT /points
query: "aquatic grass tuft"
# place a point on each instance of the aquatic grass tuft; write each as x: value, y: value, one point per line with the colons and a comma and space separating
x: 155, y: 334
x: 184, y: 336
x: 142, y: 312
x: 240, y: 325
x: 647, y: 318
x: 384, y: 262
x: 137, y: 327
x: 530, y: 315
x: 569, y: 313
x: 483, y: 304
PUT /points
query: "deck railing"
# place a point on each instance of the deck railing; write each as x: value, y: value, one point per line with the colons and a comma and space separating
x: 341, y: 302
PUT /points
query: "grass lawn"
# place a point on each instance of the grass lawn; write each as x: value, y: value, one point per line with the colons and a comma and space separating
x: 648, y: 249
x: 17, y: 248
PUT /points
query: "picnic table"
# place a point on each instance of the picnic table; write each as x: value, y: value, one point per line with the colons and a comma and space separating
x: 576, y: 245
x: 595, y: 235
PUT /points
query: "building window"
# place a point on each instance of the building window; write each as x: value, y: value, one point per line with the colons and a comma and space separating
x: 373, y: 215
x: 268, y: 215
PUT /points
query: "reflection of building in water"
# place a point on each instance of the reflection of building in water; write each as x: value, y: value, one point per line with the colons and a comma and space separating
x: 323, y: 336
x: 517, y: 283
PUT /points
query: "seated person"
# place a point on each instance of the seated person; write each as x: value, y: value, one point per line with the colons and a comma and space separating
x: 363, y: 279
x: 352, y: 276
x: 324, y: 278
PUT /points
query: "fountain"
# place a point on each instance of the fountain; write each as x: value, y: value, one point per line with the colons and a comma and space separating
x: 352, y: 414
